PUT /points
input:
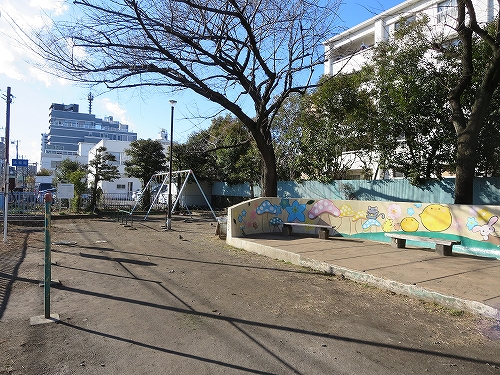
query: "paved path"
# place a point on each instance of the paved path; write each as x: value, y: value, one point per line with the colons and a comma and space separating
x: 460, y: 281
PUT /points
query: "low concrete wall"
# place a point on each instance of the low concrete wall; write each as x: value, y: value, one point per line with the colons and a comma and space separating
x: 474, y: 226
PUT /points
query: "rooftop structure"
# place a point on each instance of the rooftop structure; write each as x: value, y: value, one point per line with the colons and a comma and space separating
x: 69, y: 130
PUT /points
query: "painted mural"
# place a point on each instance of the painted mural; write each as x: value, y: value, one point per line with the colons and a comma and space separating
x: 474, y: 226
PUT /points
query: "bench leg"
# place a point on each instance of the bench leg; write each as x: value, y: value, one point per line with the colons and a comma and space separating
x: 323, y: 233
x: 287, y: 230
x: 444, y: 250
x: 399, y: 243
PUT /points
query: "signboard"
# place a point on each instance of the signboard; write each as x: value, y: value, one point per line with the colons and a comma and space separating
x: 66, y: 191
x: 19, y: 162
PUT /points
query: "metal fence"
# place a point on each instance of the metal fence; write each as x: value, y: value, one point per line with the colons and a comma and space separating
x: 116, y: 201
x: 486, y: 190
x: 30, y: 203
x: 20, y: 202
x: 124, y: 201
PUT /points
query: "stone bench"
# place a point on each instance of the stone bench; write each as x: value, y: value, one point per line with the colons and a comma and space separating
x: 443, y: 247
x: 323, y: 233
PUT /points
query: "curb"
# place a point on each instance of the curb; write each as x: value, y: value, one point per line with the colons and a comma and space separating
x: 474, y: 307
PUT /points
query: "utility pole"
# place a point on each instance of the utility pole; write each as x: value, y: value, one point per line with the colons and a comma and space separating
x: 8, y: 99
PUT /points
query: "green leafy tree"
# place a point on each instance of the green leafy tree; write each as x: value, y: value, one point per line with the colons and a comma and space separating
x: 73, y: 172
x: 44, y: 172
x: 236, y: 156
x: 412, y: 131
x: 411, y: 79
x: 194, y: 155
x: 223, y: 152
x: 321, y: 134
x: 334, y: 132
x: 64, y: 170
x: 488, y: 149
x: 146, y: 158
x: 101, y: 168
x: 488, y: 164
x: 286, y: 131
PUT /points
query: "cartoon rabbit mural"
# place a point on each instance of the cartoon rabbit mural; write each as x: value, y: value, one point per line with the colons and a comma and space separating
x: 486, y: 229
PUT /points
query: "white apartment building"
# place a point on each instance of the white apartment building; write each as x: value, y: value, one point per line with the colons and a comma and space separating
x: 349, y: 50
x: 123, y: 184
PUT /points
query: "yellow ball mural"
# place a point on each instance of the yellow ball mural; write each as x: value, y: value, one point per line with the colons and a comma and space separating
x: 388, y: 225
x: 409, y: 224
x: 436, y: 217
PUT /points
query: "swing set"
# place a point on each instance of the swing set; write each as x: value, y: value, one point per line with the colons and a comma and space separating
x: 159, y: 184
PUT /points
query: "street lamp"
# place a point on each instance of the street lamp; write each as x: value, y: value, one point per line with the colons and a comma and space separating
x: 169, y: 213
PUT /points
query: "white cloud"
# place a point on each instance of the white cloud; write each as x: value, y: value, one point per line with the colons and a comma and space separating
x: 17, y: 17
x: 7, y: 63
x: 57, y: 6
x: 117, y: 111
x: 46, y: 78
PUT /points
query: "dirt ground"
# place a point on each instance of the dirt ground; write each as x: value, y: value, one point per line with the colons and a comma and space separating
x: 143, y: 300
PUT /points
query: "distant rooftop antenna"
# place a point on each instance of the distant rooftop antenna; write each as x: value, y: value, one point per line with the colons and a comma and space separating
x: 90, y: 97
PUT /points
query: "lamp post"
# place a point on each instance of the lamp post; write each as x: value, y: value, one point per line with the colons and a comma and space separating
x: 169, y: 213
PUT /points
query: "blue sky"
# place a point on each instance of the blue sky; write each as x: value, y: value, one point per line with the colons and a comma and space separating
x: 144, y: 111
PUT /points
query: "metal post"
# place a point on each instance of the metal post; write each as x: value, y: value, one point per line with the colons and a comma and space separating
x: 6, y: 166
x: 48, y: 276
x: 169, y: 212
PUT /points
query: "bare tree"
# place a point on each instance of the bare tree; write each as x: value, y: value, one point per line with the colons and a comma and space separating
x: 469, y: 121
x: 247, y: 56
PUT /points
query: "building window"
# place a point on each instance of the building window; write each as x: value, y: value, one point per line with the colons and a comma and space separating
x: 447, y: 9
x: 120, y: 186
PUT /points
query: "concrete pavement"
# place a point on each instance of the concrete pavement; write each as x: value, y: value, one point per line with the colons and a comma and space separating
x: 459, y: 281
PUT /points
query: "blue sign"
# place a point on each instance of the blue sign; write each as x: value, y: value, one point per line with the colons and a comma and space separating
x: 19, y: 162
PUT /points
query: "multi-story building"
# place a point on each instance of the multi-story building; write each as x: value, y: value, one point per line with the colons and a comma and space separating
x: 123, y: 185
x: 72, y: 134
x: 349, y: 50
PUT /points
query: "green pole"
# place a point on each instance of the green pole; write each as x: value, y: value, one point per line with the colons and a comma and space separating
x: 48, y: 276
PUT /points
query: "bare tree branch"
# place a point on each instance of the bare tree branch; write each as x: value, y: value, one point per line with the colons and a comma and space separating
x: 247, y: 56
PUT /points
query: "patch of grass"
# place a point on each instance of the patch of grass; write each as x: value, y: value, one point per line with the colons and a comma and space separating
x: 455, y: 312
x: 436, y: 307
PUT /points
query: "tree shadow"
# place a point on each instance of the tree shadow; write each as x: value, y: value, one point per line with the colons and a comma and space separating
x: 118, y: 260
x: 239, y: 323
x: 9, y: 265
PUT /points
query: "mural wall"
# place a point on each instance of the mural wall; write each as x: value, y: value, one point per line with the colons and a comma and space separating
x: 475, y: 226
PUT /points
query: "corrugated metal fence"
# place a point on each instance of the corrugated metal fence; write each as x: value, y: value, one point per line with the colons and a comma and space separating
x: 486, y: 190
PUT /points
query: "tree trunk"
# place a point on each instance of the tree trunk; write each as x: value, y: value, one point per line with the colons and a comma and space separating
x: 269, y: 175
x: 93, y: 202
x: 265, y: 146
x: 468, y: 136
x: 466, y: 165
x: 468, y: 130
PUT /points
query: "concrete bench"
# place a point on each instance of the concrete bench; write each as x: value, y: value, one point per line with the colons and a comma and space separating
x: 323, y: 232
x: 443, y: 247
